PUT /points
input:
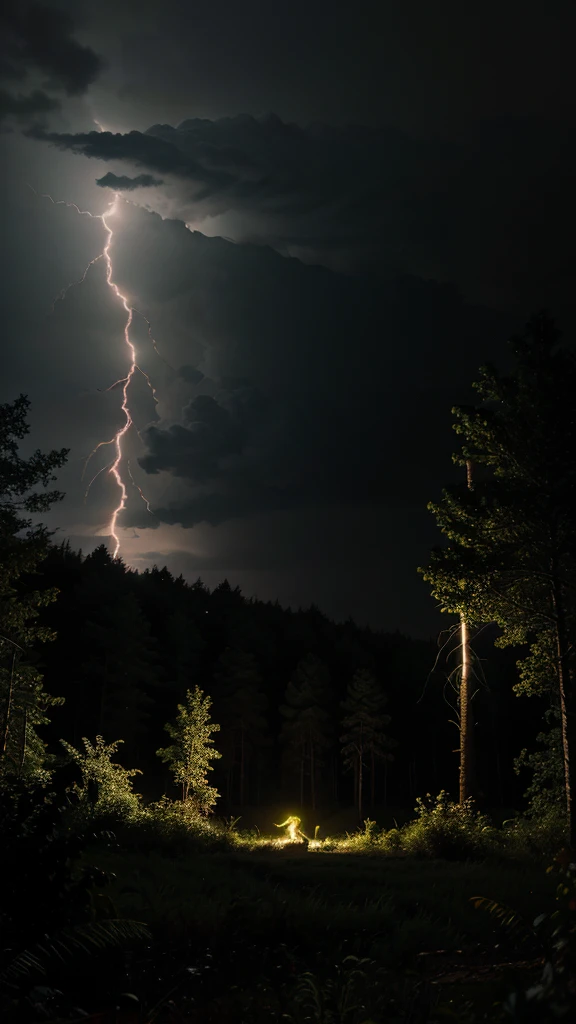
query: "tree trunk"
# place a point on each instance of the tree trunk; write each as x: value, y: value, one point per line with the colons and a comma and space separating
x: 372, y: 780
x: 24, y: 741
x: 242, y: 767
x: 360, y: 767
x: 8, y: 710
x: 466, y: 721
x: 567, y: 713
x: 312, y: 779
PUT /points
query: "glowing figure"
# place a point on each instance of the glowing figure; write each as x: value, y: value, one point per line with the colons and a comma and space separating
x: 293, y: 832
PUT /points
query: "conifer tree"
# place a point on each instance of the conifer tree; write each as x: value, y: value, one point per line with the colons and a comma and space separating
x: 112, y: 687
x: 241, y: 705
x: 511, y: 552
x: 23, y: 701
x: 190, y: 754
x: 364, y: 725
x: 307, y: 729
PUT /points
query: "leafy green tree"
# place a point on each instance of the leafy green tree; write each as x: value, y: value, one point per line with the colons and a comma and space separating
x: 364, y: 725
x: 545, y: 791
x: 241, y: 705
x: 511, y: 552
x: 23, y: 545
x: 193, y: 748
x: 307, y: 730
x: 106, y: 786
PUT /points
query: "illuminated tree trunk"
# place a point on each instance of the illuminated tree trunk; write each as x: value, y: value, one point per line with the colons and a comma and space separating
x: 466, y: 719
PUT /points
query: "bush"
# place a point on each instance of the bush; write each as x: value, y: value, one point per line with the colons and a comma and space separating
x: 535, y: 837
x: 177, y: 825
x: 448, y: 830
x: 106, y: 790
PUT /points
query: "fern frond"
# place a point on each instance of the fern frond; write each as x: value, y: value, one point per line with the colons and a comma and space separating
x: 508, y: 918
x: 94, y: 936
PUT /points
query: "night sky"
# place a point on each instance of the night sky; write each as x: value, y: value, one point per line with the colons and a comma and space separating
x: 331, y: 214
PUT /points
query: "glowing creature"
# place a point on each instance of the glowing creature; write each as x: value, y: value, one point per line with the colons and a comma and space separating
x: 292, y: 826
x: 115, y: 467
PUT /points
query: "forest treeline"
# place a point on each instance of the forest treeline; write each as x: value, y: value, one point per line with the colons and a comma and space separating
x: 283, y: 683
x: 318, y: 713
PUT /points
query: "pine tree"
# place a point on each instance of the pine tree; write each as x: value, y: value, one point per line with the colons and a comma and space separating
x: 23, y: 701
x: 364, y: 723
x: 241, y: 705
x: 115, y: 679
x: 193, y: 748
x: 511, y: 552
x: 307, y: 731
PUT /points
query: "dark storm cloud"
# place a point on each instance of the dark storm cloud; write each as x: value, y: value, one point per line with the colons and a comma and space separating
x: 40, y: 39
x: 122, y: 183
x: 209, y: 436
x: 361, y: 199
x: 324, y: 389
x: 206, y: 165
x: 23, y: 107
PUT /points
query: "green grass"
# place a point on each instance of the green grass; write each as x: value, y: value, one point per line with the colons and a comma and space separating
x: 243, y: 931
x: 391, y: 907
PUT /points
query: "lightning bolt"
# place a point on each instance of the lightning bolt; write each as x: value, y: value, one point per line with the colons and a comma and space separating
x: 115, y: 467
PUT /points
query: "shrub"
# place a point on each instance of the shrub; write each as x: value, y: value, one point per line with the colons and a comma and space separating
x: 177, y: 825
x: 106, y: 790
x: 536, y: 837
x: 448, y: 830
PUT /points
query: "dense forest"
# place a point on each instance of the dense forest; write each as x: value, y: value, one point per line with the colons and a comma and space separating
x: 129, y: 645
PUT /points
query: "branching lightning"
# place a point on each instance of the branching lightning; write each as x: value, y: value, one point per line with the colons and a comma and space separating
x: 115, y: 467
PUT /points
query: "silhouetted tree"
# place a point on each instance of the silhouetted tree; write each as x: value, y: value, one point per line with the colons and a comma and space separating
x: 117, y: 675
x: 23, y: 701
x: 240, y: 704
x: 364, y: 723
x: 307, y: 730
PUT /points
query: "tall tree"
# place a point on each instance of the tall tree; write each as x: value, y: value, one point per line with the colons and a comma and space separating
x: 241, y: 706
x: 364, y: 725
x: 190, y: 754
x: 23, y: 701
x: 466, y: 721
x: 511, y: 552
x: 307, y: 730
x: 113, y: 683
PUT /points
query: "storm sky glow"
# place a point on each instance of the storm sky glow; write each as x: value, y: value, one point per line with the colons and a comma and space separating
x: 288, y: 304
